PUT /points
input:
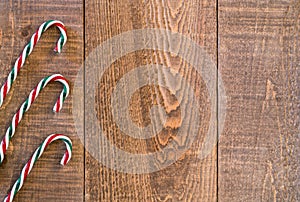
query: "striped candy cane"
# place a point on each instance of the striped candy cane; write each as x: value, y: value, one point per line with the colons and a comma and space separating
x: 27, y: 51
x: 37, y: 154
x: 26, y: 105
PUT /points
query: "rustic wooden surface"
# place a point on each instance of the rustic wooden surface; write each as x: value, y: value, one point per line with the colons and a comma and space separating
x: 189, y: 178
x: 48, y: 180
x: 256, y: 47
x: 259, y: 62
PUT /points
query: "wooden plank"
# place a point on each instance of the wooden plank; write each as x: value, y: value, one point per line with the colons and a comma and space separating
x: 48, y: 180
x: 189, y: 179
x: 259, y: 63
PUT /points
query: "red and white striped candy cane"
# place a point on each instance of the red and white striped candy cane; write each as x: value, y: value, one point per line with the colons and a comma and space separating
x: 37, y: 154
x: 26, y: 105
x: 27, y: 51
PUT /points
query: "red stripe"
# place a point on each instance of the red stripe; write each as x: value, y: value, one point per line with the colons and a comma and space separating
x: 57, y: 105
x: 5, y: 90
x: 27, y: 168
x: 17, y: 118
x: 59, y: 77
x: 4, y: 146
x: 36, y: 37
x: 51, y: 139
x: 19, y: 63
x: 8, y: 197
x: 33, y: 95
x: 67, y: 157
x: 61, y: 26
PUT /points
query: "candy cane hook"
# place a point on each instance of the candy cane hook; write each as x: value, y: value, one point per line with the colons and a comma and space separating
x: 37, y: 154
x: 26, y: 105
x: 27, y: 51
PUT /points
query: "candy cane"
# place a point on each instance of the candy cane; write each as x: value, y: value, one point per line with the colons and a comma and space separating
x: 26, y: 105
x: 37, y: 154
x: 27, y: 51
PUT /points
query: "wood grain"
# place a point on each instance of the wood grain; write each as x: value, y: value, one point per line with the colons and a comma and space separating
x: 48, y: 180
x: 188, y: 179
x: 259, y: 63
x: 256, y: 47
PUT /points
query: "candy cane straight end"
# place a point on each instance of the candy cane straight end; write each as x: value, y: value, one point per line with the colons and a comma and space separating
x: 7, y: 199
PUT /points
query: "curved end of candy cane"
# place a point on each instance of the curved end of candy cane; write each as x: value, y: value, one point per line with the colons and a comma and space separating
x: 66, y: 158
x: 58, y: 48
x: 63, y: 95
x: 64, y: 161
x: 60, y: 101
x: 60, y: 43
x: 56, y: 108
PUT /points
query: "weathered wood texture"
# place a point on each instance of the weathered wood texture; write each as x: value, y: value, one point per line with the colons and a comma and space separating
x: 256, y: 46
x: 48, y: 180
x: 259, y: 62
x: 188, y: 179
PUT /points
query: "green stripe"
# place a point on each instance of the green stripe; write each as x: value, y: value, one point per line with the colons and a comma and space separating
x: 67, y: 142
x: 44, y: 82
x: 25, y: 105
x: 10, y: 132
x: 17, y: 186
x: 46, y: 24
x: 12, y: 73
x: 28, y: 49
x: 70, y: 145
x: 38, y: 153
x: 65, y: 90
x: 62, y: 41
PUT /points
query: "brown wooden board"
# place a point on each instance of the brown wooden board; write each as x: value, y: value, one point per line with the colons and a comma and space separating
x: 188, y: 179
x: 259, y: 62
x: 255, y: 45
x: 49, y: 181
